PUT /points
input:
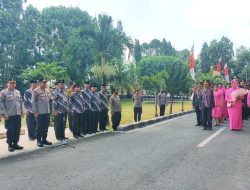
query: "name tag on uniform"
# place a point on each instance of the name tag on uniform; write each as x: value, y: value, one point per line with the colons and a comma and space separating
x: 10, y: 97
x: 42, y: 95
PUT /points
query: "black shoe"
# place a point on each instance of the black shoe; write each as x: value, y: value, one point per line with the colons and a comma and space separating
x: 80, y: 135
x: 32, y: 138
x: 75, y: 136
x: 97, y: 131
x: 39, y: 144
x: 17, y: 147
x: 45, y: 142
x: 65, y: 138
x: 204, y: 129
x: 11, y: 148
x: 197, y: 125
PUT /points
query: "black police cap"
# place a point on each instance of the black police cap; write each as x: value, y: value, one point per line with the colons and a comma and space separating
x: 33, y: 81
x: 60, y: 81
x: 42, y: 80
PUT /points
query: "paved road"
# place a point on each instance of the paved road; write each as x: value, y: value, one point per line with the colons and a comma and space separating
x: 164, y: 157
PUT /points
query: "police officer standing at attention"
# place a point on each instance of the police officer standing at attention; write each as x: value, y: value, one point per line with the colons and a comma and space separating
x: 137, y: 99
x: 77, y: 110
x: 41, y: 109
x: 115, y: 108
x: 104, y: 108
x: 60, y: 109
x: 162, y: 102
x: 69, y: 92
x: 30, y: 118
x: 87, y: 96
x: 96, y: 109
x: 12, y: 110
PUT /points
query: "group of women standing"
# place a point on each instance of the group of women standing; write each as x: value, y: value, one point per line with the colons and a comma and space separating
x: 230, y: 102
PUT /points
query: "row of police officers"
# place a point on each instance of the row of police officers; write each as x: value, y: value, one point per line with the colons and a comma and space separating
x: 85, y: 109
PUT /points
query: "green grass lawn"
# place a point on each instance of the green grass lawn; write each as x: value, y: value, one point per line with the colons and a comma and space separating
x: 148, y: 111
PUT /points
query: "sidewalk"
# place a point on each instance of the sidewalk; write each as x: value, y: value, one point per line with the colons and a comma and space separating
x: 30, y: 146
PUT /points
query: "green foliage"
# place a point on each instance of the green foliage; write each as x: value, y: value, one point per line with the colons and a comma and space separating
x: 124, y: 77
x: 178, y: 72
x: 48, y: 71
x: 242, y: 62
x: 137, y: 52
x: 158, y: 48
x: 204, y: 58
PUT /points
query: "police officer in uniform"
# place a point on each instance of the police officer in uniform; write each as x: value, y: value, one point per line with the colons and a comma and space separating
x: 162, y: 102
x: 104, y: 108
x: 41, y: 109
x: 30, y: 118
x: 137, y: 99
x: 12, y: 110
x: 60, y: 109
x: 96, y: 108
x: 77, y: 110
x: 115, y: 108
x: 87, y: 96
x: 70, y: 90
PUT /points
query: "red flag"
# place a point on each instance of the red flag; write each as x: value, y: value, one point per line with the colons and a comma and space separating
x: 218, y: 69
x: 191, y: 65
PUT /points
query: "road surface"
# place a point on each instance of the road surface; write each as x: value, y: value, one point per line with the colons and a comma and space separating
x: 174, y: 155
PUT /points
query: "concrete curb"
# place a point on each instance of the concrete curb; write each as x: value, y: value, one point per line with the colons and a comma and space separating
x: 70, y: 142
x: 152, y: 121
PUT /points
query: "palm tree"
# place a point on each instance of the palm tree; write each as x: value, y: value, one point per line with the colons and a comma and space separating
x: 123, y: 77
x: 108, y: 41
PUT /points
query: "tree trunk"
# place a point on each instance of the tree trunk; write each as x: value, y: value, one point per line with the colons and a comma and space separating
x: 182, y: 103
x: 103, y: 64
x: 171, y: 105
x: 156, y: 114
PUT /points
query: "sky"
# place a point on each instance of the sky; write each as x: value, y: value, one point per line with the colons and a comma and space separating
x: 183, y: 22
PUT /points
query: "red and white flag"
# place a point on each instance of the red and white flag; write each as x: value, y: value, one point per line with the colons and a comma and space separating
x: 226, y: 72
x: 218, y: 69
x: 191, y: 65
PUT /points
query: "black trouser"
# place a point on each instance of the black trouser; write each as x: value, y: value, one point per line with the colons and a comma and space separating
x: 244, y: 112
x: 137, y: 113
x: 207, y: 117
x: 70, y: 119
x: 103, y: 119
x: 198, y: 115
x: 87, y: 122
x: 77, y: 123
x: 13, y: 126
x: 116, y: 119
x: 43, y: 121
x: 162, y: 110
x: 31, y: 124
x: 95, y: 121
x: 60, y: 124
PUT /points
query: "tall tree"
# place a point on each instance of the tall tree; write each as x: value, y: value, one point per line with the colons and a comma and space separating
x: 137, y: 52
x: 204, y: 58
x: 10, y: 16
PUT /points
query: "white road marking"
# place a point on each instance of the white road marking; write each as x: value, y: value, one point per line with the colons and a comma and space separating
x: 147, y: 127
x: 206, y: 141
